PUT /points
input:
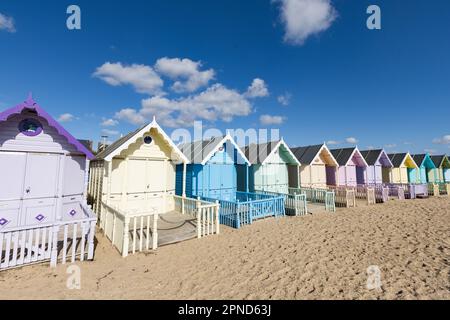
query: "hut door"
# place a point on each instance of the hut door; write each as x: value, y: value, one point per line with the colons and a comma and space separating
x: 41, y: 177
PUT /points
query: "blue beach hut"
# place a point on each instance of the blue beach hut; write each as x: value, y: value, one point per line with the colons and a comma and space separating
x: 212, y: 176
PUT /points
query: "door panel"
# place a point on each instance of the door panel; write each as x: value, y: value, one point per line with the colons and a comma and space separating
x: 41, y: 178
x: 38, y: 211
x: 156, y: 176
x: 73, y: 182
x: 12, y: 170
x: 137, y: 175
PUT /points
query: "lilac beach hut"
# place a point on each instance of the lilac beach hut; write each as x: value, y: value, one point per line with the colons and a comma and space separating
x: 352, y: 169
x: 43, y: 210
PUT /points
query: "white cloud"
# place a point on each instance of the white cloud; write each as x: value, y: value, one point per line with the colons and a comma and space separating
x: 66, y: 117
x: 390, y: 146
x: 284, y: 99
x: 304, y: 18
x: 370, y: 147
x: 109, y: 123
x: 351, y: 140
x: 257, y: 89
x: 110, y: 132
x: 187, y: 70
x: 443, y: 140
x: 7, y: 23
x: 143, y: 78
x: 266, y: 119
x: 333, y: 142
x: 215, y: 103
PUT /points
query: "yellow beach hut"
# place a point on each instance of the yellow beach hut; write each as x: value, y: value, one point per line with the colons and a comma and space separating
x: 132, y: 183
x: 405, y: 169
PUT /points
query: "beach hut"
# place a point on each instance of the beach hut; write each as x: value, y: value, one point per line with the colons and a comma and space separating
x: 442, y: 164
x: 379, y: 166
x: 132, y: 184
x: 212, y: 176
x: 317, y: 167
x: 405, y: 169
x: 352, y: 169
x: 427, y: 170
x: 269, y: 170
x: 43, y: 208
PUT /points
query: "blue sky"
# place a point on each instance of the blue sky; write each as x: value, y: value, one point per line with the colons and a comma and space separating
x: 317, y: 77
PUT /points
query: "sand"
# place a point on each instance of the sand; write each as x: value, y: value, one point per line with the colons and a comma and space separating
x: 321, y: 256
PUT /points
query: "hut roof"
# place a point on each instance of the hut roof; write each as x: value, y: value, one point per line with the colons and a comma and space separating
x: 344, y: 155
x: 424, y: 160
x: 259, y: 153
x: 398, y: 159
x: 32, y: 105
x: 123, y: 143
x: 438, y: 160
x: 372, y: 156
x: 307, y: 154
x: 200, y: 152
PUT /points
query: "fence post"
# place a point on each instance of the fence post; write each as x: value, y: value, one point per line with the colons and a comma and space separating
x: 238, y: 215
x: 91, y: 241
x: 448, y: 189
x: 54, y: 252
x: 182, y: 203
x: 155, y: 232
x: 217, y: 217
x: 126, y: 239
x: 199, y: 222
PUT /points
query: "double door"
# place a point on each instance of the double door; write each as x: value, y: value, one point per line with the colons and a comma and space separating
x: 28, y: 188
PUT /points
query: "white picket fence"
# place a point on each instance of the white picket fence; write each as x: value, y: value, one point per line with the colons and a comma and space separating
x: 61, y: 241
x: 131, y: 232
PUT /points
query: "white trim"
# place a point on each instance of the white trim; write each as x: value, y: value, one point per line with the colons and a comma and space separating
x: 141, y: 133
x: 329, y: 152
x: 378, y: 159
x: 288, y: 149
x: 404, y: 160
x: 216, y: 148
x: 353, y: 153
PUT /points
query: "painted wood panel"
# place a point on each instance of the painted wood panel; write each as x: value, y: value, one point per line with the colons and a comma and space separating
x: 47, y: 141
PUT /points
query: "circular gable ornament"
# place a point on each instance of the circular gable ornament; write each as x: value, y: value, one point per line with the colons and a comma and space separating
x: 148, y: 139
x: 30, y: 127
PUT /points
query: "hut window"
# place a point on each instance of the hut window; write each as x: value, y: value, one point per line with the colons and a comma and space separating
x: 148, y: 139
x: 30, y: 127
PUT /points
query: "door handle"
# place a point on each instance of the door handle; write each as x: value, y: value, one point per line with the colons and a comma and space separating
x: 27, y: 190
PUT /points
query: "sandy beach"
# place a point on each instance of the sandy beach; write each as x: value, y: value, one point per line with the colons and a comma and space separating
x: 321, y: 256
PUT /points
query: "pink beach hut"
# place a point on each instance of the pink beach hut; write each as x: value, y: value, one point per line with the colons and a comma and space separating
x: 352, y: 168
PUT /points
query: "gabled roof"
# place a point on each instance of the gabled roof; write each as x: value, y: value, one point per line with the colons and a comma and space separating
x: 259, y: 153
x: 32, y: 105
x: 398, y: 159
x: 200, y: 152
x: 307, y: 154
x: 123, y: 143
x: 372, y: 156
x: 344, y: 155
x: 439, y: 160
x: 424, y: 160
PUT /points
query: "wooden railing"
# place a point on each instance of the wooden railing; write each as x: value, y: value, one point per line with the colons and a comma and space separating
x: 294, y: 204
x: 344, y: 196
x: 60, y: 241
x: 131, y: 232
x: 206, y: 213
x: 254, y: 206
x: 316, y: 195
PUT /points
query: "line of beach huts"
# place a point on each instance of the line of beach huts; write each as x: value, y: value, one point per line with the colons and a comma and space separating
x: 143, y: 191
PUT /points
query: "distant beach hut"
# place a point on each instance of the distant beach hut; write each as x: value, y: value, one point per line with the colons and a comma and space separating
x: 427, y: 168
x: 318, y: 167
x: 442, y: 163
x: 405, y: 169
x: 269, y: 170
x: 132, y: 184
x: 212, y: 176
x: 379, y: 166
x: 352, y: 169
x: 43, y: 209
